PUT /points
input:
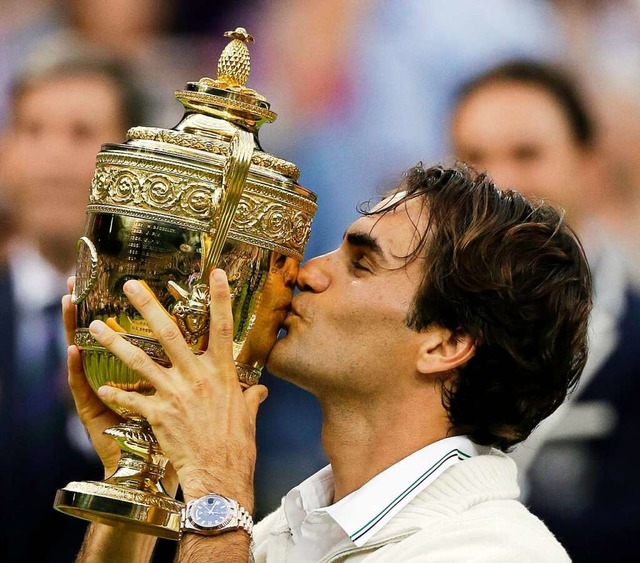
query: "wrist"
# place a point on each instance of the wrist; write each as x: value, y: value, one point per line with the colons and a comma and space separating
x: 194, y: 487
x: 215, y: 514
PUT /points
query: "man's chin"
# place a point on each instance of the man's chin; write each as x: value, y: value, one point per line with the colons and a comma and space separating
x: 280, y: 362
x: 274, y: 363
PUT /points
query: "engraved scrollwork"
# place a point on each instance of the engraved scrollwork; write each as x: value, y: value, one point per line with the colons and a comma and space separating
x: 159, y: 191
x: 229, y: 103
x: 100, y: 185
x: 186, y: 140
x: 274, y: 221
x: 128, y: 495
x: 213, y: 146
x: 247, y: 375
x: 141, y: 466
x: 156, y: 190
x: 125, y: 188
x: 153, y: 348
x: 273, y: 163
x: 300, y: 229
x: 181, y: 193
x: 199, y: 200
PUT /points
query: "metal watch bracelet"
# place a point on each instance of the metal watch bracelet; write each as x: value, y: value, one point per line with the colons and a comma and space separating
x: 243, y: 518
x: 240, y: 519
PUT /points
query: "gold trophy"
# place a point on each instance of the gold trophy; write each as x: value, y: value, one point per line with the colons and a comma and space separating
x: 166, y: 207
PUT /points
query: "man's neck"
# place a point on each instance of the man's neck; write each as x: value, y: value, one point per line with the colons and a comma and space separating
x: 362, y: 442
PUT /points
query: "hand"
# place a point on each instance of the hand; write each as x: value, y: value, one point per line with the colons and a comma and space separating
x: 94, y: 415
x: 203, y: 420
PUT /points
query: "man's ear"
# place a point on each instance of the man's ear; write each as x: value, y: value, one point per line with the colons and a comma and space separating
x: 443, y: 350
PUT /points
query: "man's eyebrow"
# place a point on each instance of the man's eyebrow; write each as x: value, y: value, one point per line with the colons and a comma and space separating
x: 365, y: 241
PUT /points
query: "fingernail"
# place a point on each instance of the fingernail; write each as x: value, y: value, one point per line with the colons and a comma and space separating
x: 218, y: 275
x: 103, y: 391
x: 132, y: 287
x: 96, y: 327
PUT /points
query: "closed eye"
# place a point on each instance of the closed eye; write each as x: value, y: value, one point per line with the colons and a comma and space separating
x: 359, y: 265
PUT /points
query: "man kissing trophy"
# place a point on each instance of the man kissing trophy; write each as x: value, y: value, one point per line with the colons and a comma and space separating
x: 166, y: 207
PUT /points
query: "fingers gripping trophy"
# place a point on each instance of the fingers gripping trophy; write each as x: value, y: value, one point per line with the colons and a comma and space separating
x: 168, y: 206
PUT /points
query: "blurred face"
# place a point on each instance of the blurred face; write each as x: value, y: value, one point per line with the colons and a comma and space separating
x: 519, y: 135
x: 121, y: 25
x: 347, y: 329
x: 50, y: 155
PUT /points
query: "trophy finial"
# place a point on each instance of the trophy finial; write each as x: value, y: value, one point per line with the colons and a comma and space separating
x: 234, y: 64
x: 227, y: 97
x: 239, y: 33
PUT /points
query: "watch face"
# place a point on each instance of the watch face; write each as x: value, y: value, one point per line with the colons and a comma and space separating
x: 210, y: 511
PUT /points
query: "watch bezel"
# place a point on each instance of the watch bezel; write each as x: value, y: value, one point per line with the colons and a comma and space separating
x: 195, y: 504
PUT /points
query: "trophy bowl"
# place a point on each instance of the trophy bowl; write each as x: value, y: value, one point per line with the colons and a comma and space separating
x: 166, y: 207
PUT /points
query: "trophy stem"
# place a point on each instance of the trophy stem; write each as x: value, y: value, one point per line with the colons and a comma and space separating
x: 134, y: 494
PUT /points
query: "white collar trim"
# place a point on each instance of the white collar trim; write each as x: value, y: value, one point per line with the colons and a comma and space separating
x: 365, y: 511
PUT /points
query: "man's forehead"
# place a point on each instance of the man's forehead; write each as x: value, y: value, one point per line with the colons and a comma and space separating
x: 395, y: 230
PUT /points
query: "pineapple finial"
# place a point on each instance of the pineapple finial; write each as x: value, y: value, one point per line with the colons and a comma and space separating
x: 234, y: 64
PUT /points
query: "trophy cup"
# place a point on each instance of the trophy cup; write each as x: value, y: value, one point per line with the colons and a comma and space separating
x: 166, y: 207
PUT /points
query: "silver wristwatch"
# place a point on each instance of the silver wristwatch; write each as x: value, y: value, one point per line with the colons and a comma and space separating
x: 214, y: 514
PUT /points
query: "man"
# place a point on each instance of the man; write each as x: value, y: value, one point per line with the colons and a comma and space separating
x: 65, y: 103
x: 449, y: 322
x: 526, y: 124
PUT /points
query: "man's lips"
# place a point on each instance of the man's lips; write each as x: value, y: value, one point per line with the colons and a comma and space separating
x: 295, y: 308
x: 293, y: 312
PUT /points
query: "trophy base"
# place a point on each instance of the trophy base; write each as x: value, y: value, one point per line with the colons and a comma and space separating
x: 155, y: 514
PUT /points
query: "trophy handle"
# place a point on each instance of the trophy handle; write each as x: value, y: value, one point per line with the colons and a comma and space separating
x: 234, y: 176
x: 192, y: 308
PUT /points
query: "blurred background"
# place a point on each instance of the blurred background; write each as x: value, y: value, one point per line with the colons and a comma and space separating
x: 363, y: 90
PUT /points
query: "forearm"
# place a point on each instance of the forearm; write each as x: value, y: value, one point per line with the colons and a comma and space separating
x: 105, y: 544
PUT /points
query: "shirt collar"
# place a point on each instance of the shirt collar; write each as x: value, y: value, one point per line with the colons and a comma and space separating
x: 365, y: 511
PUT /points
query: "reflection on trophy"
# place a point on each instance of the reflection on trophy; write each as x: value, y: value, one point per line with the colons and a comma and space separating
x: 167, y: 207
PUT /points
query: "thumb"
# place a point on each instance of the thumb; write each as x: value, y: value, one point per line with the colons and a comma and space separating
x: 253, y: 396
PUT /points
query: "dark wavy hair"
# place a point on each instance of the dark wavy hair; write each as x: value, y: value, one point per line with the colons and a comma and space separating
x: 510, y: 273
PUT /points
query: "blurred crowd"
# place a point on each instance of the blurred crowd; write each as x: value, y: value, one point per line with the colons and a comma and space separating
x: 542, y: 95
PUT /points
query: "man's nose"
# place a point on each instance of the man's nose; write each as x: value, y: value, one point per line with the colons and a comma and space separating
x: 314, y: 274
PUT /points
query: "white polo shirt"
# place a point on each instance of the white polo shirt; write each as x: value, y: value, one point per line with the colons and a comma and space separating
x: 317, y: 525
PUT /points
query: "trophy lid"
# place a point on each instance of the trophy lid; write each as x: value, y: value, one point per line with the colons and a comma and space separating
x: 228, y: 96
x: 215, y: 108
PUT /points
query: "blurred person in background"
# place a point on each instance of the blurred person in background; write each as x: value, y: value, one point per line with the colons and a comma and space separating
x: 22, y: 25
x: 526, y: 123
x: 66, y: 102
x: 603, y: 47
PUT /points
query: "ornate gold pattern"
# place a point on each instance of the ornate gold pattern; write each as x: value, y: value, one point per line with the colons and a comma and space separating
x: 252, y: 109
x: 141, y: 466
x: 227, y: 96
x: 83, y: 339
x: 213, y: 146
x: 100, y: 488
x: 248, y: 375
x: 135, y: 184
